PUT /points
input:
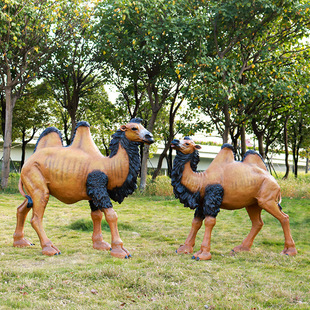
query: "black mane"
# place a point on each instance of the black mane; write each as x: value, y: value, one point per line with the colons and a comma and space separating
x: 189, y: 199
x: 119, y: 193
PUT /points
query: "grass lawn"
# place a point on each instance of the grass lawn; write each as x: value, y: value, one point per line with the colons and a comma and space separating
x: 152, y: 228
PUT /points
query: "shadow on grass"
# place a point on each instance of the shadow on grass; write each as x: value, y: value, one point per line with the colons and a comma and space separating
x: 87, y: 225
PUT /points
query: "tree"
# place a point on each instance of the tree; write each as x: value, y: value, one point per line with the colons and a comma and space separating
x: 29, y: 32
x: 71, y: 71
x: 31, y: 113
x: 152, y: 46
x: 246, y: 40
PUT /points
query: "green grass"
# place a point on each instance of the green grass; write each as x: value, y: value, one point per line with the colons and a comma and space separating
x: 155, y: 277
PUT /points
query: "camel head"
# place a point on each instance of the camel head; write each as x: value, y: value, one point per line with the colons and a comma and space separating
x: 186, y: 146
x: 135, y: 132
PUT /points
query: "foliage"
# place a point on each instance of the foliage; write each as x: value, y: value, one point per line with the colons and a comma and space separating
x: 248, y: 68
x: 155, y: 277
x: 71, y: 71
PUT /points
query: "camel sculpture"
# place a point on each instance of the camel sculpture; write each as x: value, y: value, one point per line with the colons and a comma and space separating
x: 81, y: 172
x: 226, y: 184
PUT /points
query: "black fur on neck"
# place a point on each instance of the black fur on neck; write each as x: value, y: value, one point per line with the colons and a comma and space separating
x: 119, y: 193
x: 189, y: 199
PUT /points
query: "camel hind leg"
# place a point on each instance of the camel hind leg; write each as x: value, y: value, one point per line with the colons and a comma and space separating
x: 254, y: 213
x: 273, y: 208
x: 36, y: 188
x: 21, y: 214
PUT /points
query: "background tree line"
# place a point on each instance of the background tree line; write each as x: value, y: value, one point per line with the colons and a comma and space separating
x: 243, y: 64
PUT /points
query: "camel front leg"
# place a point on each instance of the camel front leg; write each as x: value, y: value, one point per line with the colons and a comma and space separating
x: 117, y: 244
x: 21, y: 215
x: 97, y: 238
x: 189, y: 244
x: 204, y: 252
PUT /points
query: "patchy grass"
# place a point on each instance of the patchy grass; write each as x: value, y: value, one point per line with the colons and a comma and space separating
x: 155, y: 277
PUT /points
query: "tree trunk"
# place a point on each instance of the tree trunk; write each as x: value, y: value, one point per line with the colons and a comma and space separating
x: 161, y: 159
x: 243, y: 141
x: 7, y: 144
x: 261, y: 150
x: 3, y: 108
x: 307, y: 162
x: 145, y: 155
x: 24, y: 143
x: 227, y: 124
x: 287, y: 165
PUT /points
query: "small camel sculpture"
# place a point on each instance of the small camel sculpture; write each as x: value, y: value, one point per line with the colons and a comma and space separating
x: 226, y: 184
x: 81, y: 172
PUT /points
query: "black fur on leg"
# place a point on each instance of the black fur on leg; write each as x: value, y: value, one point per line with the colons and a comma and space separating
x: 213, y: 199
x: 199, y: 212
x: 96, y: 188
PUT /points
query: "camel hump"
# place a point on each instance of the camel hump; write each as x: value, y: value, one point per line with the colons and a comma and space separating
x: 82, y: 138
x: 50, y: 137
x: 252, y: 157
x: 225, y: 155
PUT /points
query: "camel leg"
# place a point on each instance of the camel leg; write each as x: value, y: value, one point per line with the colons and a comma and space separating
x: 189, y: 244
x: 272, y: 207
x: 97, y: 238
x: 204, y: 252
x: 36, y: 187
x: 117, y: 244
x: 19, y: 240
x: 254, y: 212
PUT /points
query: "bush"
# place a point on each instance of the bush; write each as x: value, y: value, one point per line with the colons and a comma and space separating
x: 161, y: 186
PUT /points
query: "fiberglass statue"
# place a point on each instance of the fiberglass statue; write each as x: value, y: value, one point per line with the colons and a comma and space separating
x: 226, y: 184
x: 81, y: 172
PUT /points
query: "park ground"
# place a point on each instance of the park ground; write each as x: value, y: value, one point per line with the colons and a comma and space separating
x: 152, y: 228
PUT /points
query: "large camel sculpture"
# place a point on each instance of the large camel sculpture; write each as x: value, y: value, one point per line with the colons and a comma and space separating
x: 81, y: 172
x: 226, y: 184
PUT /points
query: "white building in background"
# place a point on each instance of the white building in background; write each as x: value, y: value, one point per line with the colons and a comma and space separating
x: 207, y: 154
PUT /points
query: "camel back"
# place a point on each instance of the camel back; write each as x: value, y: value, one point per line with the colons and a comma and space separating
x: 252, y: 157
x: 50, y: 137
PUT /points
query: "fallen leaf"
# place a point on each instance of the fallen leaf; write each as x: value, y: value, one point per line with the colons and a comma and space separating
x: 93, y: 291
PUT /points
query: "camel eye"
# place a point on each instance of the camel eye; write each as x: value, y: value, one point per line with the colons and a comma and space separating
x: 134, y: 128
x: 186, y: 143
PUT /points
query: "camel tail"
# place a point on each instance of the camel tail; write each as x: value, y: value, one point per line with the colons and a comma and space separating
x: 279, y: 202
x: 21, y: 190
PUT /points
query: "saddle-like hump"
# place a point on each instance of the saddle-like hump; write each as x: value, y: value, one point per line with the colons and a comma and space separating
x: 50, y: 137
x: 83, y: 140
x: 252, y: 157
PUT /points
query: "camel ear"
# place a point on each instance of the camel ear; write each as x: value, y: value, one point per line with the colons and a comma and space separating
x: 197, y: 147
x: 123, y: 128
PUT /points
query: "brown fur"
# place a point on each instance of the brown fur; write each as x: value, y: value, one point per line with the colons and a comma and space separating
x: 246, y: 184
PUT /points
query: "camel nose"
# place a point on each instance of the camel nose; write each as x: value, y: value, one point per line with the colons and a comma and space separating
x: 175, y: 142
x: 149, y: 138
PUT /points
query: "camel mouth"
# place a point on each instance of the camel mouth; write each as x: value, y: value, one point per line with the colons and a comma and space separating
x: 149, y: 141
x: 175, y: 144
